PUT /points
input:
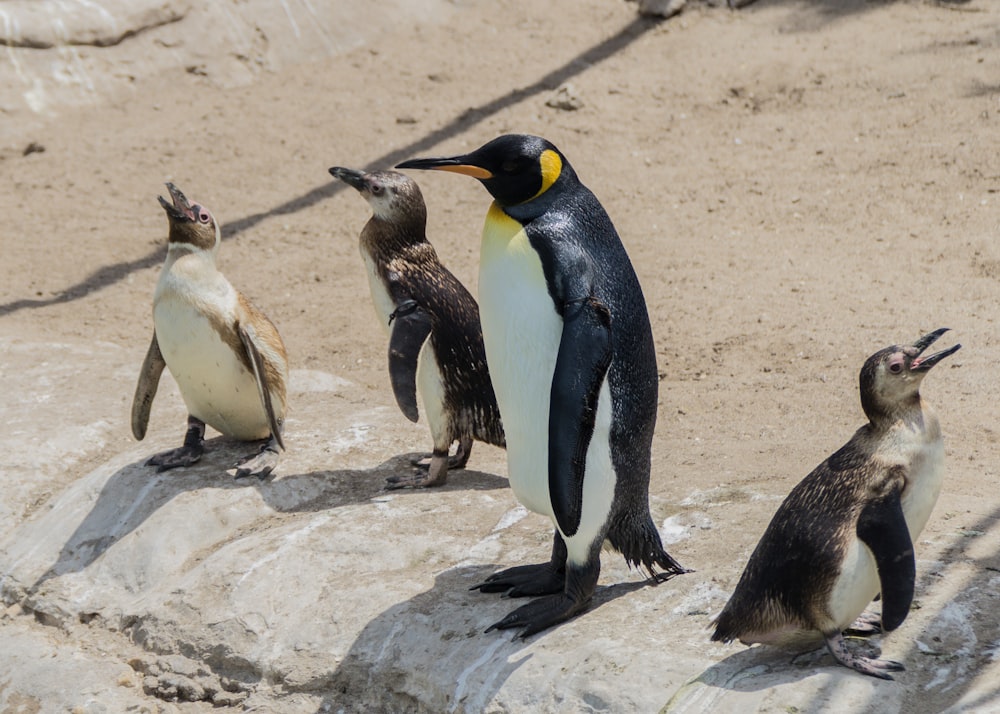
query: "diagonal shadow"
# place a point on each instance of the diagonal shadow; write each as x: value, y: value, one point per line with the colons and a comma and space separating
x: 110, y: 274
x: 135, y: 492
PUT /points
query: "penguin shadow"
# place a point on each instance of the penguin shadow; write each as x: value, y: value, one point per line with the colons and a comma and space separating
x: 135, y: 492
x: 441, y: 630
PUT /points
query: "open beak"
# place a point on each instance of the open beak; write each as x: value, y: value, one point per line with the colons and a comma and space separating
x: 179, y: 209
x: 455, y: 164
x: 922, y: 364
x: 349, y: 176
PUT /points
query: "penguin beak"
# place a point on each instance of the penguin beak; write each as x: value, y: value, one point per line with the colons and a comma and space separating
x: 923, y: 364
x: 456, y: 164
x: 180, y: 209
x: 349, y: 176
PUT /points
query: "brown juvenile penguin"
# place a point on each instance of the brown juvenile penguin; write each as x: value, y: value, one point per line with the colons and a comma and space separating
x: 227, y: 358
x: 435, y: 340
x: 845, y: 533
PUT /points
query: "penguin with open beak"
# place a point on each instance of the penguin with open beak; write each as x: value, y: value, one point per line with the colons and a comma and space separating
x: 225, y: 355
x: 845, y: 533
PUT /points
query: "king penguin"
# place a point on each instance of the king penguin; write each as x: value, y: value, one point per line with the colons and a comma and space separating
x: 435, y: 340
x: 227, y: 358
x: 570, y: 351
x: 845, y: 533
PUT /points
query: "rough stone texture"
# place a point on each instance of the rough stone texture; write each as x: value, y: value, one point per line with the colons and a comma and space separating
x: 798, y: 185
x: 60, y: 54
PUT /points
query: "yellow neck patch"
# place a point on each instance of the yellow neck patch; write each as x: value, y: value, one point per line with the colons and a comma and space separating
x: 551, y: 168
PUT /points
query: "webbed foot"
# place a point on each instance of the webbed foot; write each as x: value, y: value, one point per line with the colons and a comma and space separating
x: 456, y: 461
x: 437, y: 475
x: 866, y: 665
x: 540, y: 614
x: 525, y: 581
x: 175, y: 458
x: 187, y: 455
x: 260, y: 464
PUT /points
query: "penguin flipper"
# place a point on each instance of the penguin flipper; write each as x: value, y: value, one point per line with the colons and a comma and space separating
x: 413, y: 325
x: 581, y: 366
x: 883, y: 529
x: 145, y: 389
x: 248, y: 336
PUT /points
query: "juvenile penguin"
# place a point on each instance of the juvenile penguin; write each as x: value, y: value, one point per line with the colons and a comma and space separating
x: 571, y: 354
x: 435, y: 341
x: 225, y: 355
x: 846, y: 532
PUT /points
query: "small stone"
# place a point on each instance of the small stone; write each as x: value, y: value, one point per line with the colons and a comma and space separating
x: 34, y: 148
x: 565, y: 99
x: 661, y: 8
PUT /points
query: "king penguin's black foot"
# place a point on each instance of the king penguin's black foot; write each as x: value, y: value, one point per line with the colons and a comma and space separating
x: 540, y: 614
x: 525, y: 581
x: 175, y: 458
x: 866, y: 665
x: 868, y: 623
x: 260, y: 464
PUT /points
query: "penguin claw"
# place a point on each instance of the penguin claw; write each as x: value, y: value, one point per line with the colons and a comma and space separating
x: 175, y: 458
x: 524, y: 581
x: 539, y: 615
x: 437, y: 475
x: 871, y: 666
x: 260, y: 465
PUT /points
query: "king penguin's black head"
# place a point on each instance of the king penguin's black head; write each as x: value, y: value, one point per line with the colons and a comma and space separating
x: 514, y: 168
x: 890, y: 379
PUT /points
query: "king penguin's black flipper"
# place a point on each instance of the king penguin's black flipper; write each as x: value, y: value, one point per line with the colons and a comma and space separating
x: 883, y: 529
x: 581, y: 365
x: 410, y: 327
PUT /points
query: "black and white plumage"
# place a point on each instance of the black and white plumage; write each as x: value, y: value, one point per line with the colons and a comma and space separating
x: 571, y: 354
x: 845, y: 533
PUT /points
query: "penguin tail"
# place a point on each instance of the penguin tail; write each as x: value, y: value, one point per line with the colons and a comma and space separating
x: 643, y: 550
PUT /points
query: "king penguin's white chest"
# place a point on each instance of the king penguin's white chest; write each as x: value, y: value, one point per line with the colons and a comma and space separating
x: 521, y: 332
x: 193, y: 307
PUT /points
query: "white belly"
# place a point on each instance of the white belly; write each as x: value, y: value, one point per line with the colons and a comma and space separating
x: 213, y: 382
x: 381, y: 299
x: 521, y: 332
x: 431, y: 391
x: 855, y: 587
x: 923, y: 486
x: 923, y: 457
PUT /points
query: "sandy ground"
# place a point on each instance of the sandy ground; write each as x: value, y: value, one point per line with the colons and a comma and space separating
x: 798, y: 184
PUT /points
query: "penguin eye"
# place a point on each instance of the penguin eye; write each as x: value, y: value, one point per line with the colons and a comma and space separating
x: 376, y: 189
x: 896, y: 366
x: 204, y: 217
x: 509, y: 166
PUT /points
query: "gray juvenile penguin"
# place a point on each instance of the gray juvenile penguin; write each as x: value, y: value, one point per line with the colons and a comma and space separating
x: 435, y: 340
x: 227, y: 358
x: 845, y: 533
x: 571, y: 354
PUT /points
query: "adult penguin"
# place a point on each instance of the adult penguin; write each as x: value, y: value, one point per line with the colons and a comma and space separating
x: 570, y: 351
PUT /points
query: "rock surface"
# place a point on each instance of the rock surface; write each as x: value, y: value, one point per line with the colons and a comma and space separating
x: 799, y: 185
